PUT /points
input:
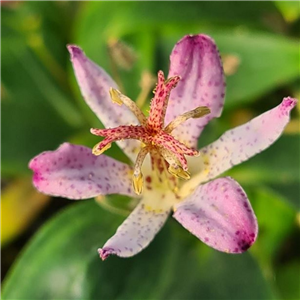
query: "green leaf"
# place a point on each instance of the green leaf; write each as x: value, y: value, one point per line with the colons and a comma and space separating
x: 276, y: 220
x: 287, y: 279
x: 267, y: 61
x: 61, y: 262
x: 37, y: 110
x: 277, y: 166
x: 121, y: 18
x: 289, y: 9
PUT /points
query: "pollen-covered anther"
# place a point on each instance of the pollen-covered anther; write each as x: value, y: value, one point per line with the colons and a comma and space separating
x: 192, y: 114
x: 115, y: 96
x: 138, y: 182
x: 179, y: 172
x: 177, y: 164
x: 119, y: 98
x: 137, y: 178
x: 97, y: 149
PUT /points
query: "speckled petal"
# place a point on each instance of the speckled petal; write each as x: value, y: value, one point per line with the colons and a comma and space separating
x: 139, y: 229
x: 196, y: 59
x: 240, y: 143
x: 220, y: 215
x: 74, y: 172
x: 94, y: 84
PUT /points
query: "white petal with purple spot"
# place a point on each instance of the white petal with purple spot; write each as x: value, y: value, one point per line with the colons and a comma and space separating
x: 196, y: 59
x: 239, y: 144
x: 219, y: 214
x: 139, y: 229
x: 94, y: 84
x: 74, y: 172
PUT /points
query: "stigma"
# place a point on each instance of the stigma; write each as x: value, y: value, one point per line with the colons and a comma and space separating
x: 167, y: 153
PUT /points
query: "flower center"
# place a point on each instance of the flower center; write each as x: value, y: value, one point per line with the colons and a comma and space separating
x: 167, y: 153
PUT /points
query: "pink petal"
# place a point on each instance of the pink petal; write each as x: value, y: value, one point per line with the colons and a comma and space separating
x: 220, y: 215
x: 243, y: 142
x: 74, y: 172
x: 138, y: 230
x: 196, y: 59
x: 94, y: 84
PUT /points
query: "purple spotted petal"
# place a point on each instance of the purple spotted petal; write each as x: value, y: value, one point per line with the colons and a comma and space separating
x: 74, y: 172
x: 94, y: 84
x: 138, y: 230
x: 196, y: 59
x: 243, y: 142
x: 220, y: 215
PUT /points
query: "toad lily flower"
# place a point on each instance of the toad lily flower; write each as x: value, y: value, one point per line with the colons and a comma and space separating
x: 167, y: 172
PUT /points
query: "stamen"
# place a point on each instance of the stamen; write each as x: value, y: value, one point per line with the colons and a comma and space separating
x: 137, y: 174
x: 194, y: 114
x: 119, y: 98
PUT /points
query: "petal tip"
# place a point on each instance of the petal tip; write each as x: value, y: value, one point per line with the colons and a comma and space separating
x: 245, y: 242
x: 32, y: 163
x: 37, y: 177
x: 289, y: 103
x: 197, y: 39
x: 104, y: 253
x: 74, y: 50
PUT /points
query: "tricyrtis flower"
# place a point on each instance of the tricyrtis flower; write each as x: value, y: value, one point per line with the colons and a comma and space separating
x: 167, y: 172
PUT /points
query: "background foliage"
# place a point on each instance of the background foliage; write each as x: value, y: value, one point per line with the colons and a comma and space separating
x: 42, y: 107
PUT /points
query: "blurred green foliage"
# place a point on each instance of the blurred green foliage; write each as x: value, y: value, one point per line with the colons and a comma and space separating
x: 42, y: 107
x: 172, y: 267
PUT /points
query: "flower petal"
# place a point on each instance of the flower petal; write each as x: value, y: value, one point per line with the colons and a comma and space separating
x: 219, y: 214
x: 196, y: 59
x: 139, y: 229
x: 74, y: 172
x: 239, y: 144
x: 94, y: 84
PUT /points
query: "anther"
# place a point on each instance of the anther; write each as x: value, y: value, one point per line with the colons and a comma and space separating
x: 119, y: 98
x: 192, y: 114
x: 115, y: 96
x: 137, y: 179
x: 179, y: 172
x: 137, y: 182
